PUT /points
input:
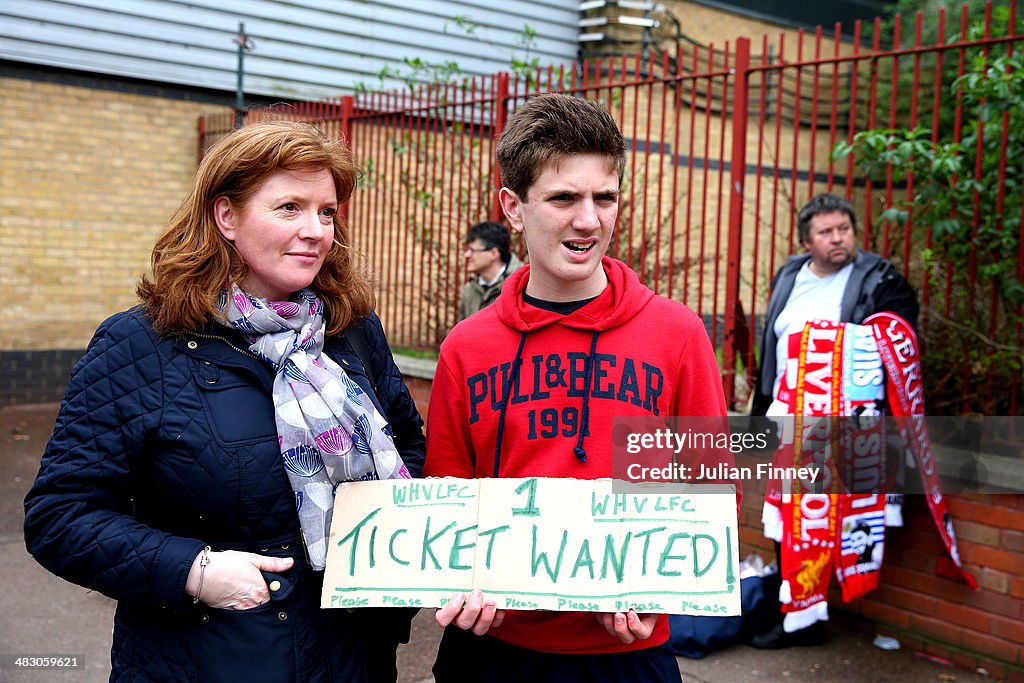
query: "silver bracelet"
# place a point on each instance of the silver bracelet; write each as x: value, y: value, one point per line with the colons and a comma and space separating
x: 203, y: 561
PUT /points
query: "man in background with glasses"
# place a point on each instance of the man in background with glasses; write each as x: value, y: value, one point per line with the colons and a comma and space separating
x: 488, y: 261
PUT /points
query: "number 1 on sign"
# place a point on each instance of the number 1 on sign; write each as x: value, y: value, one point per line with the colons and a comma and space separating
x: 530, y: 509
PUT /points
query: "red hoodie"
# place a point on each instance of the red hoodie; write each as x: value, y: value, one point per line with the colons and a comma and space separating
x: 651, y: 355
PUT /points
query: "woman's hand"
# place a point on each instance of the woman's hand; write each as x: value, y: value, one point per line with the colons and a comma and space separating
x: 474, y: 613
x: 628, y: 626
x: 232, y: 579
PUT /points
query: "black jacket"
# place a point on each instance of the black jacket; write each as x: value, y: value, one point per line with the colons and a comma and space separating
x: 874, y: 285
x: 166, y: 444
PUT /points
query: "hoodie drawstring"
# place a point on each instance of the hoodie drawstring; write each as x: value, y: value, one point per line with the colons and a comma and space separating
x: 512, y: 374
x: 579, y: 451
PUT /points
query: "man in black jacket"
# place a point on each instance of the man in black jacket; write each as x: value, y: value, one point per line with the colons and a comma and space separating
x: 833, y: 280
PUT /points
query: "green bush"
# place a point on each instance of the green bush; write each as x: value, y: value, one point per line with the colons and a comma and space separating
x: 962, y: 214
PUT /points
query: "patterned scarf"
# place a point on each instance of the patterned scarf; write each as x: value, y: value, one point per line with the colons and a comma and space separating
x: 328, y: 428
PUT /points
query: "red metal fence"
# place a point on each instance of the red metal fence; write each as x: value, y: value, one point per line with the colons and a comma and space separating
x: 725, y: 146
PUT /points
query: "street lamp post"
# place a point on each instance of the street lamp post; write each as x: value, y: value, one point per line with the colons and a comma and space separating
x: 244, y: 44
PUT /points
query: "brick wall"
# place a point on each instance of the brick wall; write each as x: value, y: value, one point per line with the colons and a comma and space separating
x: 91, y: 175
x: 928, y: 614
x: 420, y: 390
x: 93, y: 169
x: 35, y: 376
x: 941, y: 617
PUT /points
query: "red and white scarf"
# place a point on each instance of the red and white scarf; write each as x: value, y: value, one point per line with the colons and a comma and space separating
x: 838, y: 522
x: 900, y: 354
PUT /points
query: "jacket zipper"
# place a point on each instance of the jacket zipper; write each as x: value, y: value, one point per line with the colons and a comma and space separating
x: 222, y: 339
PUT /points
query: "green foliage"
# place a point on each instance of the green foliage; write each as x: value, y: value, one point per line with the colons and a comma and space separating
x: 968, y: 192
x: 367, y: 178
x: 414, y: 352
x: 526, y: 66
x: 920, y: 75
x: 419, y: 71
x: 949, y: 178
x: 462, y: 22
x: 929, y: 9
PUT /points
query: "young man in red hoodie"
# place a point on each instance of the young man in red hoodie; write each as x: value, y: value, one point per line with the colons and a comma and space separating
x: 529, y: 386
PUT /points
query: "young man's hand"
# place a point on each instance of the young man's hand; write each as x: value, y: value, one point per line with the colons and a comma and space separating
x: 474, y: 613
x: 628, y: 626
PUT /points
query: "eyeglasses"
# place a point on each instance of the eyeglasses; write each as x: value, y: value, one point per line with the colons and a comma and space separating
x: 478, y: 249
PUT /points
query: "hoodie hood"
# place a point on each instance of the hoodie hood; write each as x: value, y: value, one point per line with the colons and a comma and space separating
x: 623, y: 298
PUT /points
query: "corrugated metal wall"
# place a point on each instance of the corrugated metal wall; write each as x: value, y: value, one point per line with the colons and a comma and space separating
x: 303, y: 48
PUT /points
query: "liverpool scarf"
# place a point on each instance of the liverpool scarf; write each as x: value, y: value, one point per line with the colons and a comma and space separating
x: 839, y: 370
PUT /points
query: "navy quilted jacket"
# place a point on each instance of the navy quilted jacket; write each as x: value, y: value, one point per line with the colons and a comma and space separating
x: 166, y: 444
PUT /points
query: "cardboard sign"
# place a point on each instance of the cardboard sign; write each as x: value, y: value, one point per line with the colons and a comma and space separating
x: 536, y: 543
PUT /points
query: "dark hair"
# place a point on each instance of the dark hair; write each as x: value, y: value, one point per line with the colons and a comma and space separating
x: 861, y: 526
x: 823, y: 203
x: 192, y: 261
x: 551, y: 127
x: 493, y: 235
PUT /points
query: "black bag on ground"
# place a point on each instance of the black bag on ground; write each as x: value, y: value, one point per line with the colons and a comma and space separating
x: 696, y: 636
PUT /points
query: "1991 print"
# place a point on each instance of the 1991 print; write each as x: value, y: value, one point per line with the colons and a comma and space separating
x: 549, y: 423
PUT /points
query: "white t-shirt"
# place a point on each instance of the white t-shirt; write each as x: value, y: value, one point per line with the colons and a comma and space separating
x: 812, y: 298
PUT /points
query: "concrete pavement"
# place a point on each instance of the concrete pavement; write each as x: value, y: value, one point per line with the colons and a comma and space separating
x: 42, y: 614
